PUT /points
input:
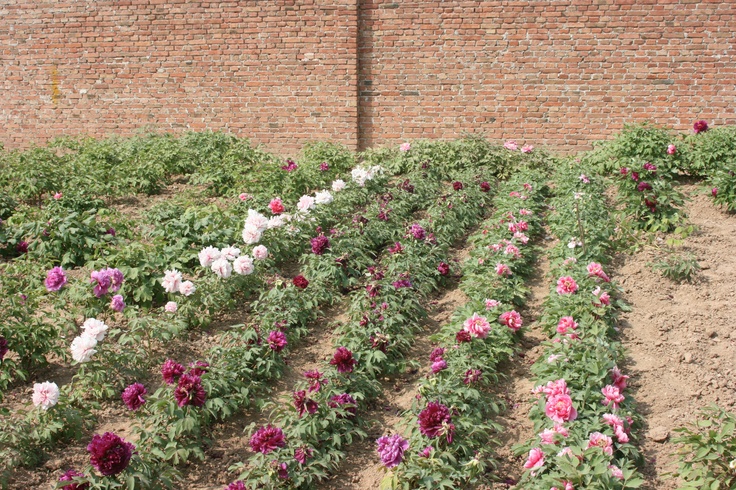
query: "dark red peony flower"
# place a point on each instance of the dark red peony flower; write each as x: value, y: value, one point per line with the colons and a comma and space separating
x: 303, y: 404
x: 198, y: 368
x: 402, y: 283
x: 463, y: 336
x: 643, y: 186
x: 109, y: 454
x: 3, y: 347
x: 70, y: 475
x: 320, y: 244
x: 485, y: 186
x: 700, y: 126
x: 190, y: 391
x: 472, y: 376
x: 343, y: 360
x: 171, y: 371
x: 22, y: 247
x: 457, y: 185
x: 635, y: 176
x: 267, y: 439
x: 133, y: 396
x: 300, y: 282
x: 437, y: 354
x: 324, y: 167
x: 315, y: 380
x: 434, y: 421
x: 345, y: 401
x: 443, y: 268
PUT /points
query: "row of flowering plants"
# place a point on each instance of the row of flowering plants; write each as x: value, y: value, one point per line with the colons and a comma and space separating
x: 450, y: 427
x: 126, y: 353
x: 584, y: 415
x: 307, y: 437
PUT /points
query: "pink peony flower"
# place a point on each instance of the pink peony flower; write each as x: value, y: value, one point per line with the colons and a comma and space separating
x: 244, y: 196
x: 171, y: 281
x: 511, y: 145
x: 535, y: 459
x: 714, y: 192
x: 267, y: 439
x: 527, y: 148
x: 553, y: 388
x: 612, y: 396
x: 619, y: 380
x: 472, y: 376
x: 58, y: 195
x: 222, y: 268
x: 511, y: 319
x: 405, y: 147
x: 426, y: 452
x: 236, y: 485
x: 559, y: 408
x: 603, y: 298
x: 584, y: 179
x: 616, y: 472
x: 55, y: 279
x: 491, y: 303
x: 671, y: 149
x: 565, y: 324
x: 133, y: 396
x: 503, y: 270
x: 70, y: 476
x: 277, y: 340
x: 208, y: 255
x: 276, y: 206
x: 438, y: 366
x: 566, y: 285
x: 302, y: 453
x: 602, y: 441
x: 477, y: 326
x: 45, y: 395
x: 187, y: 288
x: 650, y: 167
x: 391, y: 449
x: 290, y: 165
x: 109, y: 454
x: 171, y: 307
x: 243, y: 265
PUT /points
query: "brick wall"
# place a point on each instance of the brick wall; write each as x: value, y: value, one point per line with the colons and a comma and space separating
x: 364, y: 72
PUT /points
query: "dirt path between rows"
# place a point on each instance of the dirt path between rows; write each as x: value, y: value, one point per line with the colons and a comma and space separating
x: 680, y: 339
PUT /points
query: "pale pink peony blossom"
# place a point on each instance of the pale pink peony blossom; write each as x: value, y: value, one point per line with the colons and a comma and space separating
x: 511, y: 145
x: 477, y: 326
x: 45, y: 395
x: 503, y: 270
x: 616, y: 472
x: 208, y: 255
x: 619, y: 380
x: 83, y: 348
x: 323, y: 197
x: 584, y: 179
x: 405, y: 146
x: 305, y: 204
x: 612, y: 396
x: 257, y: 220
x: 260, y: 252
x: 187, y: 288
x: 58, y: 196
x: 338, y: 185
x: 521, y: 237
x: 491, y: 303
x: 251, y: 233
x: 243, y: 265
x: 244, y: 196
x: 602, y: 441
x: 566, y: 285
x: 230, y: 253
x: 525, y: 212
x: 171, y: 307
x: 95, y: 329
x: 527, y: 148
x: 222, y: 268
x: 171, y: 281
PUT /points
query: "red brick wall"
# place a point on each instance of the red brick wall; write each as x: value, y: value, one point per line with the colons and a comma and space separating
x: 280, y: 72
x: 364, y: 72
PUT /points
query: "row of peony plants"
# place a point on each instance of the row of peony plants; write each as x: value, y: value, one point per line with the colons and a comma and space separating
x: 307, y: 438
x: 584, y: 415
x: 451, y: 423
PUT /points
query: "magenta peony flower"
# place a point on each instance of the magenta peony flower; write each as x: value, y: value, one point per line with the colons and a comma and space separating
x: 117, y: 303
x: 300, y: 282
x: 443, y: 268
x: 102, y: 281
x: 69, y: 476
x: 700, y: 126
x: 436, y: 354
x: 343, y: 360
x: 109, y: 454
x: 301, y: 454
x: 458, y: 186
x: 559, y: 408
x: 635, y: 176
x: 320, y: 244
x: 650, y: 166
x: 290, y: 165
x: 438, y: 366
x: 417, y: 232
x: 426, y: 452
x: 267, y: 439
x: 171, y: 371
x: 566, y: 324
x: 315, y: 380
x: 714, y: 192
x: 344, y: 401
x: 277, y: 340
x: 190, y: 391
x: 511, y: 319
x: 324, y: 167
x: 276, y: 206
x: 133, y: 396
x: 485, y: 186
x: 303, y: 404
x: 643, y: 186
x: 396, y: 248
x: 391, y: 449
x: 472, y: 376
x: 434, y: 421
x: 3, y: 347
x: 236, y: 485
x: 566, y: 285
x: 55, y: 279
x: 402, y: 283
x: 624, y: 171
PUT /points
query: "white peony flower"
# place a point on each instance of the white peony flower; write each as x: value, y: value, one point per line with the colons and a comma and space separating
x: 95, y: 329
x: 251, y: 234
x: 323, y: 197
x: 230, y: 253
x: 260, y: 253
x: 172, y: 281
x: 305, y: 204
x: 187, y: 288
x: 222, y: 268
x: 243, y: 265
x: 338, y: 185
x: 257, y: 220
x: 83, y: 348
x: 45, y: 395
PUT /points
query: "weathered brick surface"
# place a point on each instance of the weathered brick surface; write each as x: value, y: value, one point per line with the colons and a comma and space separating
x: 364, y: 72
